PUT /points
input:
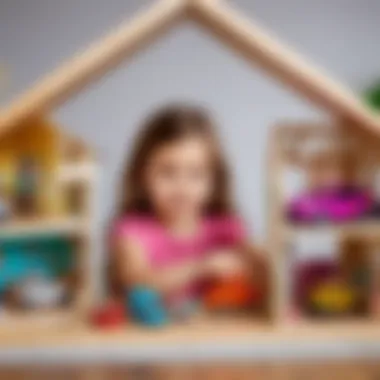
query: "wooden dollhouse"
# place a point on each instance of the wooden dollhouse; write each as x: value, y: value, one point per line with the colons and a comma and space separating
x: 65, y: 203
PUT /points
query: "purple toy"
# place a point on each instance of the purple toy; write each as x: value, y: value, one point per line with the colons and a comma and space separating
x: 331, y: 205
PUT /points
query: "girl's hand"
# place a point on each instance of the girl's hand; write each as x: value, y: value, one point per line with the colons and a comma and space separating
x: 223, y: 264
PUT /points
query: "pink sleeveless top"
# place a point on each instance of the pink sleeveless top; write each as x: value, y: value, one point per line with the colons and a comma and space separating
x: 164, y: 250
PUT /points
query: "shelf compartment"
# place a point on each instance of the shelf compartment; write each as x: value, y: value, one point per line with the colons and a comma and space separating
x: 365, y: 229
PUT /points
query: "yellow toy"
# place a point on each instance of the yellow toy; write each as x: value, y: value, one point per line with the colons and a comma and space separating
x: 333, y: 297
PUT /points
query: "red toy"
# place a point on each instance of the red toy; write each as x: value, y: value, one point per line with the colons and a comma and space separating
x: 236, y: 293
x: 110, y: 315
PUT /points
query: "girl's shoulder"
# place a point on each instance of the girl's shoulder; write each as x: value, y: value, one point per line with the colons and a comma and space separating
x: 135, y: 225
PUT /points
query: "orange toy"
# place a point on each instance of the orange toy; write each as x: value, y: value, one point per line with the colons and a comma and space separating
x: 232, y: 294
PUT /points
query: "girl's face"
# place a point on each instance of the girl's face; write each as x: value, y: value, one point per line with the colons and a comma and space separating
x: 179, y: 178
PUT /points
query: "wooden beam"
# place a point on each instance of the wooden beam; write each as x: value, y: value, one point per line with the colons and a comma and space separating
x: 276, y: 244
x: 258, y: 47
x: 104, y: 55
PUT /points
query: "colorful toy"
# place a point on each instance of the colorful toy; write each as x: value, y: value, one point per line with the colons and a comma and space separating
x: 331, y: 205
x: 236, y: 293
x: 38, y: 293
x: 308, y: 275
x: 320, y: 289
x: 332, y: 297
x: 146, y: 307
x: 48, y: 257
x: 110, y: 315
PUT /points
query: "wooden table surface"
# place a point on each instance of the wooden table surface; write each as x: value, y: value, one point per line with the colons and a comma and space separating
x: 345, y: 370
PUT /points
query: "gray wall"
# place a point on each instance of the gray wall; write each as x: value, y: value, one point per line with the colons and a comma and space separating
x: 36, y: 35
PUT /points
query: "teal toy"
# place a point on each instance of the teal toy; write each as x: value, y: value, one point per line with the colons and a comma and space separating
x: 146, y: 307
x: 49, y: 257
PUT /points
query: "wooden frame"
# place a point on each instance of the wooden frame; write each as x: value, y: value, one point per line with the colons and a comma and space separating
x: 238, y: 33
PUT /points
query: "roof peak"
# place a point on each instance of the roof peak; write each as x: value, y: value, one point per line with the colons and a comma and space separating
x: 225, y: 23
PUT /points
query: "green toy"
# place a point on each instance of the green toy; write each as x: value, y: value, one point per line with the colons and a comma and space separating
x: 372, y: 96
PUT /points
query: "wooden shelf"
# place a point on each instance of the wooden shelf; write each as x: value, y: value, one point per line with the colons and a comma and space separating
x: 20, y: 228
x: 19, y: 323
x: 77, y: 172
x: 224, y: 331
x: 345, y: 327
x: 369, y: 229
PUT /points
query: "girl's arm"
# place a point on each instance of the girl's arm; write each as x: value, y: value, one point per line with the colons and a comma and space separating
x: 134, y: 269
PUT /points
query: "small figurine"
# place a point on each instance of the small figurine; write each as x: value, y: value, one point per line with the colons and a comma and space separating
x: 27, y: 181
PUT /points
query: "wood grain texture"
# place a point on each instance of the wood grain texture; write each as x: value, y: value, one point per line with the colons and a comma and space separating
x: 360, y: 370
x: 203, y: 331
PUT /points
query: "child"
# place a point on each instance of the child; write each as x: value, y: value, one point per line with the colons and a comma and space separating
x: 176, y: 228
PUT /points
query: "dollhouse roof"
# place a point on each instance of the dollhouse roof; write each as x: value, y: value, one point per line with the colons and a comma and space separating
x: 232, y: 28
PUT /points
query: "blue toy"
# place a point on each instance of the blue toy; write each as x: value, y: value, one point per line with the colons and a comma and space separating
x: 145, y: 306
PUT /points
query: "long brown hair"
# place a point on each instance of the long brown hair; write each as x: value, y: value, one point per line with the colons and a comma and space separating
x: 168, y: 125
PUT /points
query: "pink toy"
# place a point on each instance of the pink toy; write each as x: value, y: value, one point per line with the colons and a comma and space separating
x: 335, y: 205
